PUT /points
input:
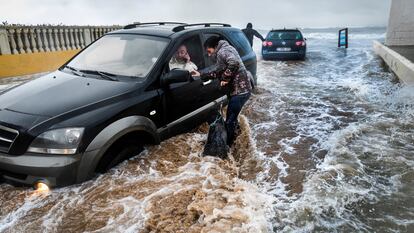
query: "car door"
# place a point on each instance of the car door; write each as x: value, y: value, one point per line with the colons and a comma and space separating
x: 185, y: 98
x: 211, y: 89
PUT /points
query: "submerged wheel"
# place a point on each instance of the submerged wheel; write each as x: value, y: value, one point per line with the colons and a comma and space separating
x: 123, y: 155
x: 118, y: 153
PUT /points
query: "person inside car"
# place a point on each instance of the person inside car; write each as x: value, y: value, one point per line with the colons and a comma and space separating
x: 182, y: 60
x: 229, y: 68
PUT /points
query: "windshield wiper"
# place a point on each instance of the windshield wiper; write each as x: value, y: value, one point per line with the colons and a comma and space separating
x: 75, y: 71
x: 105, y: 75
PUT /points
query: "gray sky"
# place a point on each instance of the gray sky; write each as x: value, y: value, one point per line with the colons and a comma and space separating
x: 263, y: 14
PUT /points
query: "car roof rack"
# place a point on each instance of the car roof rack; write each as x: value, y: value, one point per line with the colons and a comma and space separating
x: 134, y: 25
x: 184, y: 26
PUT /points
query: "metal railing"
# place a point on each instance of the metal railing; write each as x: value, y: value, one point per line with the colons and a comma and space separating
x: 33, y: 39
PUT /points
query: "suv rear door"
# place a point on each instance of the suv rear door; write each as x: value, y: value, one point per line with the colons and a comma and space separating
x: 240, y: 42
x: 187, y: 97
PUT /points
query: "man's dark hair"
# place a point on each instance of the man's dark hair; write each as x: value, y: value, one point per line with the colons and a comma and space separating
x: 249, y: 25
x: 212, y: 42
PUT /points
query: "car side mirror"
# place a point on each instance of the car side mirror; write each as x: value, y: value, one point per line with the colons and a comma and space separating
x: 175, y: 76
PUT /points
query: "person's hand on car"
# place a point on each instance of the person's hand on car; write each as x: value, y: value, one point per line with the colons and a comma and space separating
x: 223, y: 83
x: 195, y: 73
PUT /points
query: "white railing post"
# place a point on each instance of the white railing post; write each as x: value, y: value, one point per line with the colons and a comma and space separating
x: 96, y: 33
x: 13, y: 43
x: 56, y: 37
x: 26, y: 40
x: 76, y: 39
x: 87, y: 36
x: 51, y: 42
x: 45, y: 40
x: 81, y: 39
x: 39, y: 39
x: 72, y: 41
x: 62, y: 39
x: 19, y: 41
x: 4, y: 42
x: 68, y: 45
x: 33, y: 40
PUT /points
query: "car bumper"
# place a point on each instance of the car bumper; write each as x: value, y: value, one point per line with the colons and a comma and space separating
x: 55, y: 170
x: 283, y: 55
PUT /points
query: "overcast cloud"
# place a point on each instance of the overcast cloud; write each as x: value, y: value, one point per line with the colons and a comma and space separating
x: 263, y: 14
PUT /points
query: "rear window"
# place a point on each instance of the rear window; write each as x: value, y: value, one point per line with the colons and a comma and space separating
x: 240, y: 42
x: 284, y: 35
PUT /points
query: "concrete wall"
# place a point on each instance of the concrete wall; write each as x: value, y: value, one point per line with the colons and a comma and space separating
x: 401, y: 66
x: 401, y: 23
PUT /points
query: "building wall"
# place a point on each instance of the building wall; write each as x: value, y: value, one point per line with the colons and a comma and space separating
x: 401, y: 23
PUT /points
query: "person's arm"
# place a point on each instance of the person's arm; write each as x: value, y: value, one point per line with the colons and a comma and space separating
x: 258, y: 35
x: 232, y: 66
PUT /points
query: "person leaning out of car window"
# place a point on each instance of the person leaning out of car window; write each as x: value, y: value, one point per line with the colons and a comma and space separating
x: 229, y: 68
x: 182, y: 60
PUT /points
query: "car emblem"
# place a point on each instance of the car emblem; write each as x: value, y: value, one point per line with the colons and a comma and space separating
x: 283, y: 43
x: 153, y: 112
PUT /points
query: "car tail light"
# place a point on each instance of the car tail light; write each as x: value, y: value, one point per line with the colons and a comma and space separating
x: 300, y: 43
x: 267, y: 43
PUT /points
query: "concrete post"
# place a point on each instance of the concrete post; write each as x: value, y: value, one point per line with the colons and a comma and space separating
x: 20, y: 41
x: 26, y: 36
x: 39, y: 39
x: 4, y: 42
x: 33, y: 40
x: 87, y: 36
x: 62, y: 39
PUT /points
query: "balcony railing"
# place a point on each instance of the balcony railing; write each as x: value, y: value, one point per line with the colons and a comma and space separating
x: 33, y: 39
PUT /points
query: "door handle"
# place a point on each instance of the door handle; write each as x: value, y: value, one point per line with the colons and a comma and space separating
x: 207, y: 82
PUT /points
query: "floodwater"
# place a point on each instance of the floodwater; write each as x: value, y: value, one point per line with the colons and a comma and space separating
x: 326, y: 146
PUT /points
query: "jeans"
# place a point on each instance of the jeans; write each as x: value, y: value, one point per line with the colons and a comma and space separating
x: 233, y: 109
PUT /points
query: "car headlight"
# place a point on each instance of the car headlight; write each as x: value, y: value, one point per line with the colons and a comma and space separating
x: 57, y: 141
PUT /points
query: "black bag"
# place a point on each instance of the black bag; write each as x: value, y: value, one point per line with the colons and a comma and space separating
x: 217, y: 139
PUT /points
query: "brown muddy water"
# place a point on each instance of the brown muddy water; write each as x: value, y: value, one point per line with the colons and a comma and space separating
x: 326, y: 146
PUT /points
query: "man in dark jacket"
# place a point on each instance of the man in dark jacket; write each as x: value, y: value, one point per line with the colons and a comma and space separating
x: 229, y: 68
x: 250, y: 33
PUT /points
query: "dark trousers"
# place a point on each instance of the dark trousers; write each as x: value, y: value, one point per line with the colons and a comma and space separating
x: 233, y: 109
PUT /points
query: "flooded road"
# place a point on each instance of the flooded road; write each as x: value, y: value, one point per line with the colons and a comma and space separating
x: 326, y: 146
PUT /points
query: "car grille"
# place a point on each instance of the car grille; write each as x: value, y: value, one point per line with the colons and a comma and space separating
x: 7, y: 137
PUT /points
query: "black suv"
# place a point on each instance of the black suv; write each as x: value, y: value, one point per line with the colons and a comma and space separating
x: 284, y: 44
x: 112, y: 98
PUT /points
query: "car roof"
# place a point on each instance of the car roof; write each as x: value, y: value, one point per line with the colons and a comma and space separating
x: 168, y: 30
x: 284, y: 29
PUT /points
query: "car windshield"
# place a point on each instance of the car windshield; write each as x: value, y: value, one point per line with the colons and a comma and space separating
x: 285, y: 35
x: 121, y: 54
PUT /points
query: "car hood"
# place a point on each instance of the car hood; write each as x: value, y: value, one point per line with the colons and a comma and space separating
x: 58, y: 93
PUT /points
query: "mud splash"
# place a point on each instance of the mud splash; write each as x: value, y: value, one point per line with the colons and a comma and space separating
x: 167, y: 188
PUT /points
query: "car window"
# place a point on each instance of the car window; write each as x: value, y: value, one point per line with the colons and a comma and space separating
x: 240, y: 42
x: 188, y: 55
x: 284, y: 35
x: 121, y: 54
